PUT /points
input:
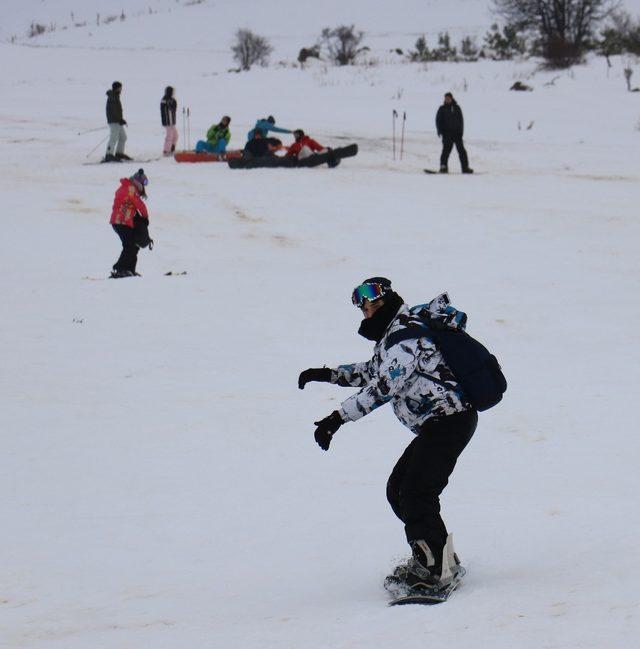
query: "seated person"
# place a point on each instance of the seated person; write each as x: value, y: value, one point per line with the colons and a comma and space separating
x: 260, y: 146
x: 304, y: 146
x: 218, y: 137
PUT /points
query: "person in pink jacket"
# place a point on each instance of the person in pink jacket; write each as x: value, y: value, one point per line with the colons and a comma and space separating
x: 130, y: 221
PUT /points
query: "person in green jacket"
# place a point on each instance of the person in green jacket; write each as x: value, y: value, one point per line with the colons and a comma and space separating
x: 218, y: 137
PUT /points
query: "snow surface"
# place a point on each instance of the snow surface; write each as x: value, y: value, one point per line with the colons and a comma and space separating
x: 160, y: 486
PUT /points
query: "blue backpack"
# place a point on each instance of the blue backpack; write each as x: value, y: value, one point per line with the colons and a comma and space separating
x: 476, y: 369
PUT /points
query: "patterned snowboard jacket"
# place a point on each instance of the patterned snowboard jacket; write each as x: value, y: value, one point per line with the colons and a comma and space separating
x: 409, y: 372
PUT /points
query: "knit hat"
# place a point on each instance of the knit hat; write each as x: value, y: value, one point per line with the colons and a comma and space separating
x: 140, y: 180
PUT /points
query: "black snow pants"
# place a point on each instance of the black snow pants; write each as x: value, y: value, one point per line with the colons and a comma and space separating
x: 448, y: 140
x: 422, y: 473
x: 129, y: 255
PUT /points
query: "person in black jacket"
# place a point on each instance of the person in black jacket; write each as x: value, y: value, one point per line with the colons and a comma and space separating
x: 168, y: 109
x: 117, y: 134
x: 450, y: 127
x: 260, y: 146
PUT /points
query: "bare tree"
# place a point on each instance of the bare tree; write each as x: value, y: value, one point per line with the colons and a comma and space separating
x: 249, y: 49
x: 565, y: 27
x: 342, y: 44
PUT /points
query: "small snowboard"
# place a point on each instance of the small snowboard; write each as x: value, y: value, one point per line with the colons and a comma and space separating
x: 401, y: 593
x: 428, y: 598
x: 435, y: 171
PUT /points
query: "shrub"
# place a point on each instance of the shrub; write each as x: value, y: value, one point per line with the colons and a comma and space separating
x: 250, y: 49
x: 506, y: 44
x: 342, y: 44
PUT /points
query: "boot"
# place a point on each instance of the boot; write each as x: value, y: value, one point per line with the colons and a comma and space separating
x: 444, y: 169
x: 117, y: 274
x: 468, y: 170
x: 110, y: 158
x: 123, y: 156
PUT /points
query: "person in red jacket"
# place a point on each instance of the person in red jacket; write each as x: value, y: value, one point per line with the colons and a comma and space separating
x: 304, y: 146
x: 130, y: 220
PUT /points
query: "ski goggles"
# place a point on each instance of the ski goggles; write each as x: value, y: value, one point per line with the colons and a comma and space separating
x: 364, y: 292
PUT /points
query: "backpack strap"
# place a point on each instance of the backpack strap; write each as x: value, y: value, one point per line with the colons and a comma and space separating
x: 411, y: 332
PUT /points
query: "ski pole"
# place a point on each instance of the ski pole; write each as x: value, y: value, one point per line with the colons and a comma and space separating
x: 394, y: 115
x: 91, y: 130
x: 188, y: 127
x: 404, y: 119
x: 106, y: 137
x: 184, y: 127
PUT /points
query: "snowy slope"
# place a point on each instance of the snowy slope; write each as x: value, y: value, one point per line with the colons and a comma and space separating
x: 159, y: 482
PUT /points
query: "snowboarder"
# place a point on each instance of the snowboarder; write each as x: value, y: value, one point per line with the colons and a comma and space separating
x: 410, y: 372
x: 117, y: 134
x: 130, y: 221
x: 218, y: 137
x: 304, y: 146
x: 450, y: 127
x: 168, y: 109
x: 260, y: 146
x: 266, y: 125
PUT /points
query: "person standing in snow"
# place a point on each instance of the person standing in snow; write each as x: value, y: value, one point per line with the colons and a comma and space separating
x: 450, y: 127
x: 218, y: 137
x: 130, y: 221
x: 410, y: 372
x: 266, y: 126
x: 168, y: 109
x: 115, y: 120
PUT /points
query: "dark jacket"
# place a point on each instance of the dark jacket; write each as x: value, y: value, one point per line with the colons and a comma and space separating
x: 449, y: 119
x: 168, y: 108
x: 256, y: 148
x: 114, y: 108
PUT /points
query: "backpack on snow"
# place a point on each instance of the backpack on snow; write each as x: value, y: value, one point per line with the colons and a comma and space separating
x: 476, y: 369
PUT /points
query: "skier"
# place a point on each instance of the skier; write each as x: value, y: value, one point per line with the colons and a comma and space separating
x: 168, y: 109
x: 266, y: 125
x: 117, y: 134
x: 130, y: 220
x: 410, y: 372
x: 218, y: 137
x: 450, y: 127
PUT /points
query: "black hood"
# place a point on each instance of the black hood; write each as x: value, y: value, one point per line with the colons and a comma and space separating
x: 373, y: 328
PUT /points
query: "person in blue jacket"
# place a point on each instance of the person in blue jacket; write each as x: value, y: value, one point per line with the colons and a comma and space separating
x: 266, y: 125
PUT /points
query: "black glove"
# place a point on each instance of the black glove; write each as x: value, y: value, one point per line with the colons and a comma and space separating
x: 123, y: 122
x: 150, y: 244
x: 318, y: 374
x: 326, y: 428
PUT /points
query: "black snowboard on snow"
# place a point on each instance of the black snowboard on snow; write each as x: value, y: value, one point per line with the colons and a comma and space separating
x: 402, y: 593
x: 331, y: 158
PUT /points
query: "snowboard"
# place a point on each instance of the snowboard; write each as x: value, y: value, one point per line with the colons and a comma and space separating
x: 402, y: 594
x: 331, y: 157
x: 428, y: 598
x: 192, y: 156
x: 435, y: 171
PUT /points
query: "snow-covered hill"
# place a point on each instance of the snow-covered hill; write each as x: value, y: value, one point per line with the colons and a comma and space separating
x: 160, y: 486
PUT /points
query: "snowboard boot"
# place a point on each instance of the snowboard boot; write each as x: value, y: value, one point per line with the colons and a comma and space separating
x: 426, y: 573
x: 444, y: 169
x: 117, y: 274
x: 123, y: 156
